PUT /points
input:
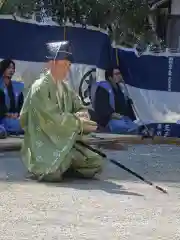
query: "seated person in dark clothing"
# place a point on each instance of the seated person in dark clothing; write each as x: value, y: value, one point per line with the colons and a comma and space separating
x: 3, y: 132
x: 112, y: 110
x: 11, y: 98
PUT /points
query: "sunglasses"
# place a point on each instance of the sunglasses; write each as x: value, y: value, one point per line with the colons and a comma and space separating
x: 117, y: 74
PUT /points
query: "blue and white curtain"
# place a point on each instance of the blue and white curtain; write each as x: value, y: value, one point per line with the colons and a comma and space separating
x: 25, y: 42
x: 153, y: 80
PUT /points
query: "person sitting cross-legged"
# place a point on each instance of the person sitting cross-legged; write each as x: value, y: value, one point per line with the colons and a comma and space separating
x: 113, y: 111
x: 11, y: 98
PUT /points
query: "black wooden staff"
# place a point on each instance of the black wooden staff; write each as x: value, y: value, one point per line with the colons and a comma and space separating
x: 122, y: 166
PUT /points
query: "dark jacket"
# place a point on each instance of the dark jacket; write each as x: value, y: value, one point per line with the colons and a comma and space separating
x: 103, y: 108
x: 14, y: 108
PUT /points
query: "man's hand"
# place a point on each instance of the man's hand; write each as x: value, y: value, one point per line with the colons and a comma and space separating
x: 88, y: 126
x: 83, y: 114
x: 12, y: 115
x: 15, y: 115
x: 116, y: 116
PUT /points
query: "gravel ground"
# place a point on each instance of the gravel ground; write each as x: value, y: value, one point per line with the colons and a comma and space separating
x: 117, y: 206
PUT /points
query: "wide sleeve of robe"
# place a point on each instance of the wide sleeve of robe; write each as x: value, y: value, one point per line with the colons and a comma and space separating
x: 51, y: 129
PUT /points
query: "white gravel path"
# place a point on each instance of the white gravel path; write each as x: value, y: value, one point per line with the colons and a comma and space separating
x: 117, y: 206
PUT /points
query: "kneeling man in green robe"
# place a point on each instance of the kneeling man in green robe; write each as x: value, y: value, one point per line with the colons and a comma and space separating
x: 53, y: 120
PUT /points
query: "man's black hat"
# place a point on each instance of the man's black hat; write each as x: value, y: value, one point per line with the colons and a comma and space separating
x: 59, y: 51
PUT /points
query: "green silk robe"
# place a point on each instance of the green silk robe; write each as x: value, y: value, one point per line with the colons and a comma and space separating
x: 51, y: 130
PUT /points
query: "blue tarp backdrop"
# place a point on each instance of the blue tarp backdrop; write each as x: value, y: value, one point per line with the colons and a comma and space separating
x: 27, y: 42
x: 150, y: 71
x: 153, y: 80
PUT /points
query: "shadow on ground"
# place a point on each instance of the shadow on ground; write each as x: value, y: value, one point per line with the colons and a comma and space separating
x: 12, y: 171
x: 156, y: 163
x: 93, y: 185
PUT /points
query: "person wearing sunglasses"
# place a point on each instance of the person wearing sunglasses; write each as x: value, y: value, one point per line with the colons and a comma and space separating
x: 111, y: 104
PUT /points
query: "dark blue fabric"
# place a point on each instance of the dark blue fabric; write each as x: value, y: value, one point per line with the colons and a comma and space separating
x: 3, y: 133
x: 145, y: 72
x: 18, y: 88
x: 163, y: 129
x: 106, y: 86
x: 157, y: 129
x: 27, y: 42
x: 12, y: 126
x: 122, y: 126
x: 175, y: 85
x: 149, y: 71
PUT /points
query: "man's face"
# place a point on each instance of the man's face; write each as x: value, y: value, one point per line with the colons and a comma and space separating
x: 9, y: 72
x: 62, y: 68
x: 116, y: 76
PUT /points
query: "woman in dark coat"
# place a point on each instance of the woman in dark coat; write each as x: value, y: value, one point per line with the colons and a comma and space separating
x: 11, y: 97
